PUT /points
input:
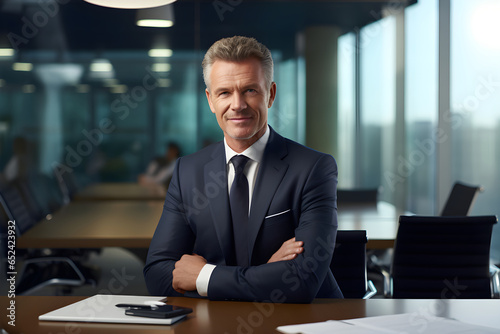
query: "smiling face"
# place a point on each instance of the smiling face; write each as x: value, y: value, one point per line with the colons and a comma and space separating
x: 239, y: 97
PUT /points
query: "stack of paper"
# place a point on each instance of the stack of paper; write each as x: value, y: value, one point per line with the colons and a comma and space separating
x: 408, y: 323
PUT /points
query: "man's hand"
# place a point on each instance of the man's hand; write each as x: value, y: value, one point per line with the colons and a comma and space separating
x: 186, y: 272
x: 288, y: 251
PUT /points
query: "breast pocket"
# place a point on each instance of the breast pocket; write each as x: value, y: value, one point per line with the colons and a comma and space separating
x: 277, y: 217
x: 276, y: 229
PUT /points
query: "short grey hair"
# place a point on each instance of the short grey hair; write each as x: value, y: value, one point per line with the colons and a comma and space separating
x: 238, y: 48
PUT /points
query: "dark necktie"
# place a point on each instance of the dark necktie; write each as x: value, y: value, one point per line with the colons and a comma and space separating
x: 238, y: 199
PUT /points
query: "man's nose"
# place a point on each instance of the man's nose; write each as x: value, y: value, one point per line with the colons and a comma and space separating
x: 238, y: 102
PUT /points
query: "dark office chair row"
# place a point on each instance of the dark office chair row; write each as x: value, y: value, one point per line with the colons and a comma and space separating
x: 27, y: 202
x: 459, y: 202
x: 443, y: 257
x: 446, y: 256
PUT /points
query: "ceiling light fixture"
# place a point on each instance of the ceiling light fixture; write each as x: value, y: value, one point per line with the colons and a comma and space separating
x: 161, y: 67
x: 158, y: 17
x: 24, y: 67
x: 130, y: 4
x: 160, y: 53
x: 6, y: 52
x: 101, y: 65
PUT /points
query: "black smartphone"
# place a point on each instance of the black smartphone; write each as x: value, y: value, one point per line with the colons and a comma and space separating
x: 165, y: 311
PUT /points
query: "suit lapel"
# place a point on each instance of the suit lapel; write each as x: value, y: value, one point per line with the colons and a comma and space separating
x: 215, y: 173
x: 270, y: 175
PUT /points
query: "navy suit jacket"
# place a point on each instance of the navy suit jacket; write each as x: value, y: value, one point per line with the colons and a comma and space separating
x: 294, y: 195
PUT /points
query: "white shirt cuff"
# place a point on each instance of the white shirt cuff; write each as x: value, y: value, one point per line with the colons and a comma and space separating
x: 203, y: 279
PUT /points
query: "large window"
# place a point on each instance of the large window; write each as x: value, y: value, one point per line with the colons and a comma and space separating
x: 347, y: 110
x: 418, y: 167
x: 475, y: 101
x: 377, y: 103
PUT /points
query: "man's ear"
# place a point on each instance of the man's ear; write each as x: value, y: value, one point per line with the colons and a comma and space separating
x: 272, y: 94
x: 207, y: 93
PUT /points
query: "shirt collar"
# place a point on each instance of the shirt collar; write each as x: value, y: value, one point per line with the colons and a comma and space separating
x: 254, y: 152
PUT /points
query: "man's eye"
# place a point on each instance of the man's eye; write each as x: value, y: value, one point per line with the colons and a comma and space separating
x: 251, y: 90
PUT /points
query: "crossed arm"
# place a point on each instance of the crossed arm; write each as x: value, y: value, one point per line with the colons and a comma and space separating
x: 188, y: 267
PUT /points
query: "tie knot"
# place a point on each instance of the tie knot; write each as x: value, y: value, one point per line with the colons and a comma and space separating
x: 239, y: 162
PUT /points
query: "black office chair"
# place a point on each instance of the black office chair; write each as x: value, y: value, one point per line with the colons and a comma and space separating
x: 68, y: 185
x: 39, y: 269
x: 443, y: 257
x: 460, y: 200
x: 349, y: 265
x: 43, y: 192
x: 365, y: 195
x: 16, y: 208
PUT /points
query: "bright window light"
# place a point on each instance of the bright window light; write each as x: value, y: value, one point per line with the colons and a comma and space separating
x: 160, y: 53
x: 485, y: 24
x: 25, y: 67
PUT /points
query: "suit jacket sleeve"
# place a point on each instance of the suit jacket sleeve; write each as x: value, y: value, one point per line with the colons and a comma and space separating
x: 298, y: 280
x: 172, y: 239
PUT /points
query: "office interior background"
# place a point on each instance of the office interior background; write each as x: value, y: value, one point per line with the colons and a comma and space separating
x: 404, y: 94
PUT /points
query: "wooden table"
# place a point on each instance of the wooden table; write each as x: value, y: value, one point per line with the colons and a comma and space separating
x: 246, y: 317
x: 380, y: 222
x: 121, y: 191
x: 131, y: 224
x: 91, y: 224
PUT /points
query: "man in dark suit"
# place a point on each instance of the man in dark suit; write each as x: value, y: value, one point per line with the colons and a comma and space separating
x: 253, y: 217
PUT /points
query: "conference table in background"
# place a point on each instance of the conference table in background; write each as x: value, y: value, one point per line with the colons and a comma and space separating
x: 121, y: 191
x: 131, y: 224
x: 247, y: 317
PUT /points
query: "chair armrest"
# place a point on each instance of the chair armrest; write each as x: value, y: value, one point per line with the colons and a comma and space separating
x: 387, y: 284
x: 495, y: 281
x: 372, y: 290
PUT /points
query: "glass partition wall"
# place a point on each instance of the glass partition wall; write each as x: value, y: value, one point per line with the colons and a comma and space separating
x: 102, y: 104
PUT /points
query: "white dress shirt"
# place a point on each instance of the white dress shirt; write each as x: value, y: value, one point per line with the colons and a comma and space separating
x: 255, y: 153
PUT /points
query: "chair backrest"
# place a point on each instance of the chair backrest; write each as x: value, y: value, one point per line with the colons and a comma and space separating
x: 46, y: 192
x: 349, y: 263
x: 16, y: 208
x: 460, y: 200
x: 442, y: 257
x: 357, y: 195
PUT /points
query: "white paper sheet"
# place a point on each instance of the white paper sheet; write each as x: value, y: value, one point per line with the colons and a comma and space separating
x: 407, y: 323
